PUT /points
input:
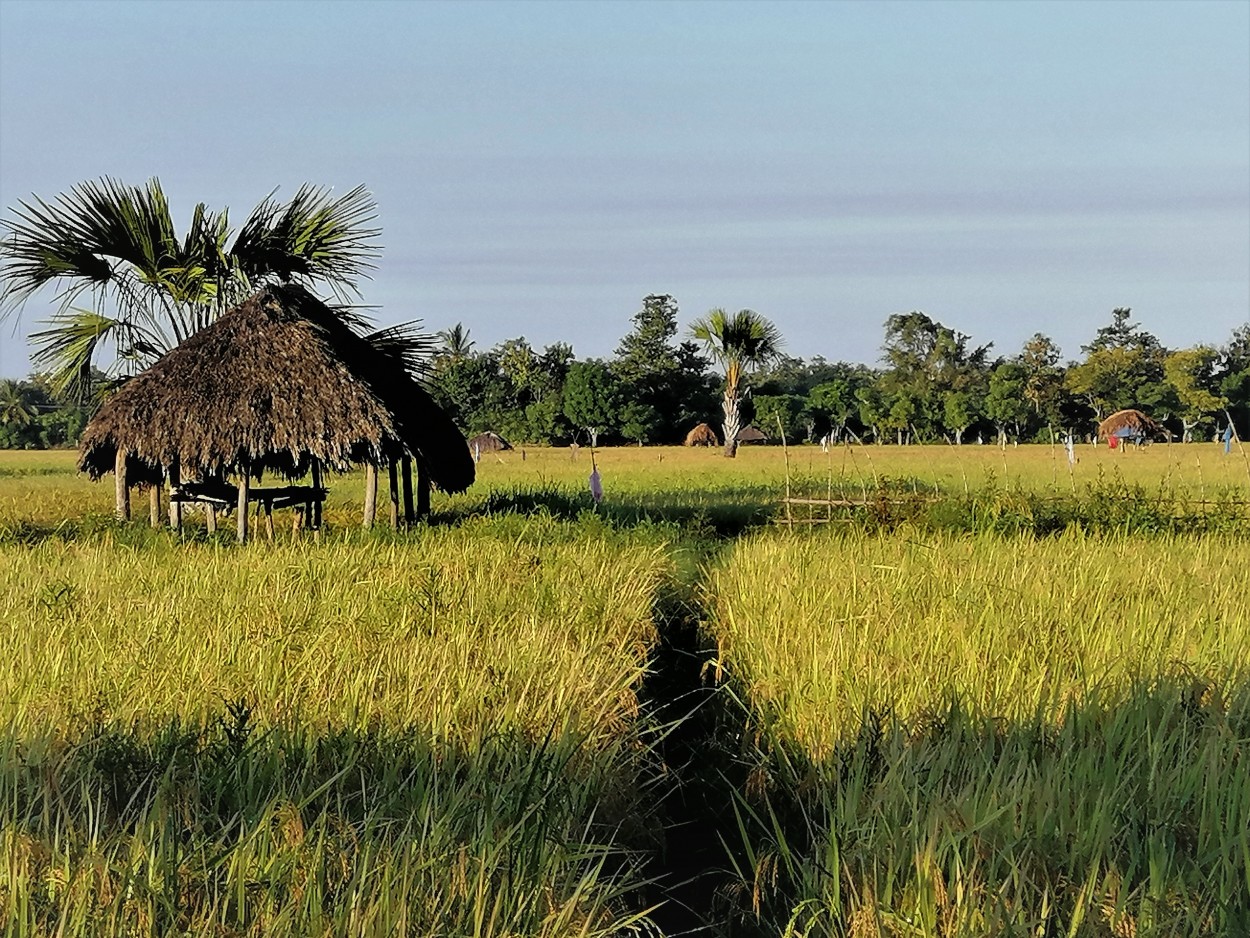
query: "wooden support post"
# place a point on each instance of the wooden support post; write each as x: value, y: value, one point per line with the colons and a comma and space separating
x: 315, y: 508
x: 122, y: 493
x: 154, y: 504
x: 423, y: 490
x: 410, y: 513
x: 244, y: 481
x: 269, y: 521
x: 175, y: 508
x: 393, y: 472
x: 210, y: 519
x: 371, y: 493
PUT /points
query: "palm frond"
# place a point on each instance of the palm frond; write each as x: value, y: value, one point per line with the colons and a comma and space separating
x: 311, y: 239
x: 101, y: 234
x: 408, y: 346
x: 745, y: 339
x: 67, y: 349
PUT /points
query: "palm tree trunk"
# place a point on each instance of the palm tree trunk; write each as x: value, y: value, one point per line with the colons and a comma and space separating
x: 733, y: 421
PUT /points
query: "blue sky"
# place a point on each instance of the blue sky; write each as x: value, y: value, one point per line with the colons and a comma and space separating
x: 1006, y: 167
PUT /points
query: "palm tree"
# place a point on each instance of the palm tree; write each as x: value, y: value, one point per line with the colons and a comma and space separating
x: 148, y: 289
x: 15, y: 411
x: 740, y: 343
x: 457, y: 346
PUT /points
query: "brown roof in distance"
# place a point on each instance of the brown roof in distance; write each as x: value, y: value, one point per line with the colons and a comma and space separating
x: 751, y: 435
x: 272, y: 384
x: 1131, y: 419
x: 489, y: 442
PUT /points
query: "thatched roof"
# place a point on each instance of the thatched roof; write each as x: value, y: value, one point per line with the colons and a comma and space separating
x: 751, y: 435
x: 1131, y: 420
x: 489, y: 442
x: 271, y: 385
x: 702, y: 435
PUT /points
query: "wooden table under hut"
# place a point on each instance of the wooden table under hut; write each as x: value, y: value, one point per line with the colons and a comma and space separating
x: 281, y: 386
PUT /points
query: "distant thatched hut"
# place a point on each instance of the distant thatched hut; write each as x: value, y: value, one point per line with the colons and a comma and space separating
x: 752, y: 435
x: 488, y: 442
x: 702, y: 435
x: 1130, y: 426
x: 280, y: 384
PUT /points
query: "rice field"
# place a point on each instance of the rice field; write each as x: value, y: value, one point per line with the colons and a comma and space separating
x: 978, y: 736
x: 1006, y: 696
x: 429, y: 737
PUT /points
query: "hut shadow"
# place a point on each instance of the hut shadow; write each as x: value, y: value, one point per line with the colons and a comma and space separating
x: 726, y: 513
x: 515, y: 807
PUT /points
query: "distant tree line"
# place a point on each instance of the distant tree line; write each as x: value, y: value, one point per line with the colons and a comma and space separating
x: 35, y: 415
x: 934, y: 384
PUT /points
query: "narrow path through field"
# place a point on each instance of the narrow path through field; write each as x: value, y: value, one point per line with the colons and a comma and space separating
x: 700, y: 729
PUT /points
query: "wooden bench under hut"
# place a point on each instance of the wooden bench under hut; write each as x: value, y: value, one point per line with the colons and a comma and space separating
x: 281, y: 385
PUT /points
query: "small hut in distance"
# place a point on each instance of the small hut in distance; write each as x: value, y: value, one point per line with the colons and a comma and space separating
x: 1129, y: 426
x: 702, y: 435
x: 488, y: 442
x: 280, y: 384
x: 752, y: 435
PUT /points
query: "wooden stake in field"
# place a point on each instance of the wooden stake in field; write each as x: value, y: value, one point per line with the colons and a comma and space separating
x: 785, y: 452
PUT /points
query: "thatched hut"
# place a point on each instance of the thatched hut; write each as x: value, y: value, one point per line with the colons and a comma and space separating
x: 1130, y: 426
x: 752, y: 435
x: 702, y: 435
x: 280, y: 384
x: 488, y: 442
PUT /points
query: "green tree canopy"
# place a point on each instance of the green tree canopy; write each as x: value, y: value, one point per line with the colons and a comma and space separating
x: 592, y: 399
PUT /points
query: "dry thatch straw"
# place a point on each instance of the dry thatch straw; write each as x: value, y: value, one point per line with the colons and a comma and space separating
x: 702, y: 435
x: 488, y: 442
x: 273, y: 384
x: 1130, y: 419
x: 752, y: 435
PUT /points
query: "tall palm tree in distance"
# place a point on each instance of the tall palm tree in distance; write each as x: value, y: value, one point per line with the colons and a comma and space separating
x: 14, y: 410
x: 740, y: 343
x: 457, y: 346
x: 113, y: 247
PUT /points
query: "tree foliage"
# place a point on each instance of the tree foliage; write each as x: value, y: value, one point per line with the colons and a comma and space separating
x: 114, y: 248
x: 740, y: 343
